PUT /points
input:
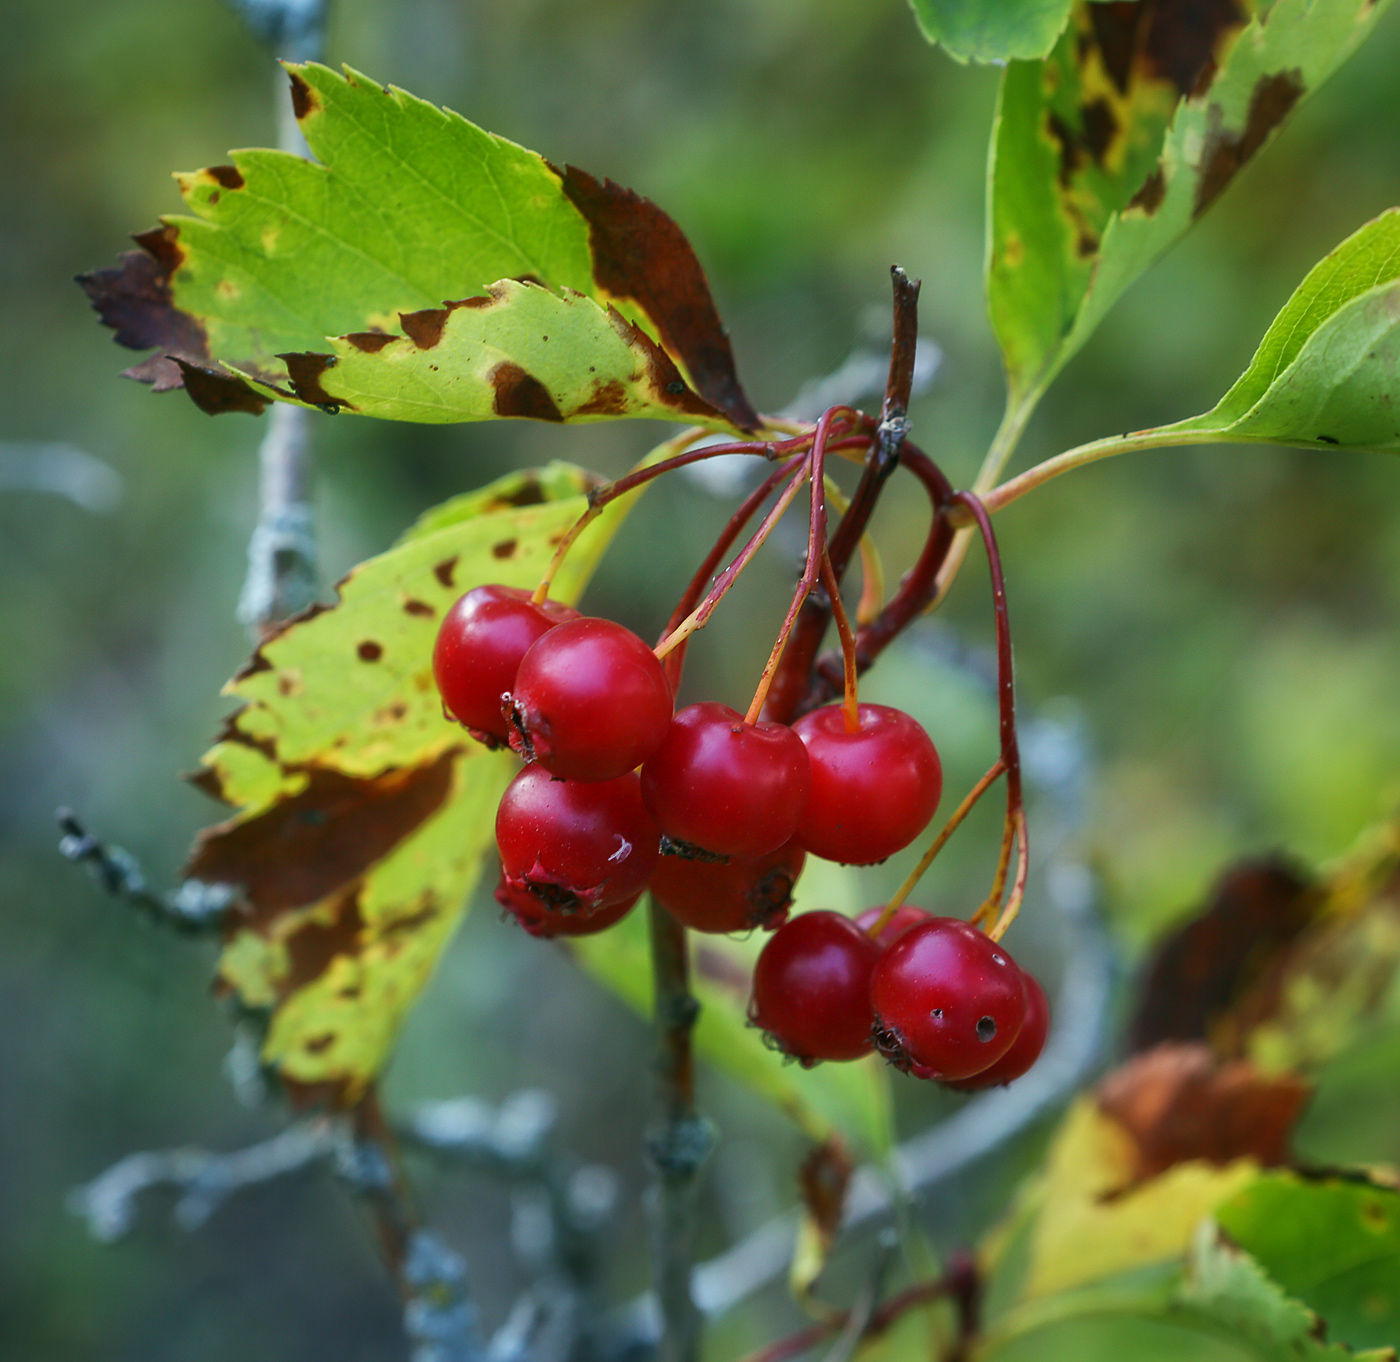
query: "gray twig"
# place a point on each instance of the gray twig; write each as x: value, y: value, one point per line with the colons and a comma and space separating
x: 196, y: 907
x: 679, y: 1141
x: 203, y: 1180
x: 282, y: 577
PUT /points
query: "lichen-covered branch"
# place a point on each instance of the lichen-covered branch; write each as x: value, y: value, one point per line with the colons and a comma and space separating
x: 195, y: 907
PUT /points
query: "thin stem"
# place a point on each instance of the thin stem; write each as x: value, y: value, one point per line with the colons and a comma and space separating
x: 700, y: 581
x: 794, y: 686
x: 816, y: 552
x: 1018, y: 886
x: 880, y: 1320
x: 678, y: 1142
x: 643, y: 473
x: 872, y: 569
x: 1082, y: 455
x: 699, y: 617
x: 850, y: 702
x: 949, y: 828
x: 1015, y: 826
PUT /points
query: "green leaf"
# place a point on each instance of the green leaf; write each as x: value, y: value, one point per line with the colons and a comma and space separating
x: 395, y: 236
x: 363, y: 813
x: 1333, y: 1242
x: 1327, y: 372
x: 992, y: 30
x: 852, y: 1099
x: 1110, y: 149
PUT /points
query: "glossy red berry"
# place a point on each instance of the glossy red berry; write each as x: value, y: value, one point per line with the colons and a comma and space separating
x: 1025, y: 1049
x: 811, y: 988
x: 589, y: 701
x: 575, y: 846
x: 478, y: 651
x: 874, y: 790
x: 732, y: 896
x: 905, y: 916
x: 730, y: 787
x: 539, y: 919
x: 948, y: 1000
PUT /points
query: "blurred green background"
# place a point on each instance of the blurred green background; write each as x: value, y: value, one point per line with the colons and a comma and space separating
x: 1222, y: 623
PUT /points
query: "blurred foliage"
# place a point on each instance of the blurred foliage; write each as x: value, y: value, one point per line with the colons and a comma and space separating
x: 1224, y: 620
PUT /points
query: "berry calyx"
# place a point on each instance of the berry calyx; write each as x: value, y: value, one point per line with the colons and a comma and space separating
x: 1025, y: 1049
x: 811, y: 988
x: 478, y: 650
x: 948, y: 1000
x: 730, y: 787
x: 873, y: 790
x: 539, y: 919
x: 589, y: 701
x: 575, y: 846
x: 730, y: 896
x: 905, y: 916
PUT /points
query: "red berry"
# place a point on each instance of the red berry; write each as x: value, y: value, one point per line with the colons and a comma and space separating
x: 905, y: 916
x: 478, y: 651
x: 1025, y: 1049
x: 575, y: 846
x: 874, y: 790
x: 732, y: 896
x: 949, y: 1001
x: 811, y: 988
x: 730, y: 787
x: 541, y: 920
x: 589, y: 702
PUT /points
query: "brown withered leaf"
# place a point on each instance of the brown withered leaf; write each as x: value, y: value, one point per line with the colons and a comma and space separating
x: 1179, y: 1103
x: 1194, y: 977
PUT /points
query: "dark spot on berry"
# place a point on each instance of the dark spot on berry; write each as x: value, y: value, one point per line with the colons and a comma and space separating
x: 890, y: 1044
x: 505, y: 549
x: 369, y: 651
x: 937, y: 1014
x: 986, y: 1029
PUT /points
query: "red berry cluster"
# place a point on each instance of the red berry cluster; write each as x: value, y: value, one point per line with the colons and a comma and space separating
x: 736, y: 805
x: 938, y: 998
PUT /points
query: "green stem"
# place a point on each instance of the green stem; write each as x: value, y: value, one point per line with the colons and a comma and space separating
x: 1158, y: 438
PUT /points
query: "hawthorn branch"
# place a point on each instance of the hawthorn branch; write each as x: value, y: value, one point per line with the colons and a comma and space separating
x: 679, y: 1141
x: 196, y: 907
x: 282, y: 574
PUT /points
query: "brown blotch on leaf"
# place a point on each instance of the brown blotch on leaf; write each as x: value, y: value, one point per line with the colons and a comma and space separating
x: 1271, y: 101
x: 1149, y: 197
x: 370, y: 342
x: 369, y: 651
x: 420, y: 608
x: 608, y: 399
x: 313, y: 844
x: 522, y: 394
x: 1172, y: 40
x: 639, y: 253
x: 445, y: 570
x: 1256, y: 911
x: 505, y: 549
x: 664, y: 377
x: 312, y: 947
x: 425, y: 327
x: 1099, y: 128
x: 305, y: 371
x: 824, y: 1177
x: 1178, y: 1103
x: 529, y: 493
x: 227, y: 176
x: 319, y: 1044
x: 215, y: 393
x: 305, y: 100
